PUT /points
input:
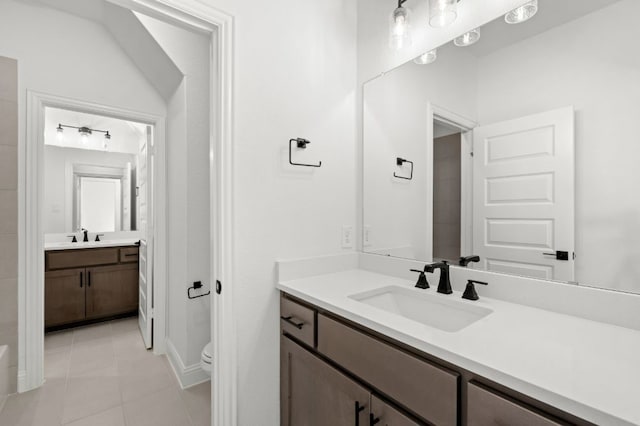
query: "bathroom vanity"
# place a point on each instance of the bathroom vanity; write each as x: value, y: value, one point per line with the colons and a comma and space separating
x: 354, y: 351
x: 87, y: 284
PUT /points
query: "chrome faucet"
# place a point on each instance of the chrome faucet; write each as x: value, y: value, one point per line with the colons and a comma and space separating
x: 444, y: 285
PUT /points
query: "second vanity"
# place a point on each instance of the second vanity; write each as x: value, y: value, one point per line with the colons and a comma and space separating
x: 85, y: 282
x: 354, y: 351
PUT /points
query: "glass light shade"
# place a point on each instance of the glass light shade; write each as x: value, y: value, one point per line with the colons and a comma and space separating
x: 467, y: 39
x: 400, y: 28
x: 442, y: 12
x: 427, y: 58
x: 522, y: 13
x: 59, y: 133
x: 84, y: 138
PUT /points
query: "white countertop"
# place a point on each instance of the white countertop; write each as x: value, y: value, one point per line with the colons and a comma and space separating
x: 66, y: 245
x: 586, y: 368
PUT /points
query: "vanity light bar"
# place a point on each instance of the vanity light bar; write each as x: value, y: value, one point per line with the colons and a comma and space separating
x: 84, y: 130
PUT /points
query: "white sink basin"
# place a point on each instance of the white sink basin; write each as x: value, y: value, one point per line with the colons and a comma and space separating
x: 441, y: 311
x: 66, y: 245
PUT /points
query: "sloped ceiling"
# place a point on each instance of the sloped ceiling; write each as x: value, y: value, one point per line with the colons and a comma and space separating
x: 131, y: 36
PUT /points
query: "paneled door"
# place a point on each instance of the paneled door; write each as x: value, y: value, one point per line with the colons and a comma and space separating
x: 145, y: 226
x: 523, y: 195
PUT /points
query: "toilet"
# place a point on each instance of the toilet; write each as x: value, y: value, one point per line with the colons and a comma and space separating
x: 205, y: 358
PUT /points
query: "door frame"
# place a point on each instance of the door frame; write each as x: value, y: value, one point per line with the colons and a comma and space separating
x: 219, y: 26
x: 31, y: 289
x: 466, y: 126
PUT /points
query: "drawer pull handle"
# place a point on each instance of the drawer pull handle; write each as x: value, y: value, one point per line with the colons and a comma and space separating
x: 373, y: 419
x: 289, y: 319
x: 359, y: 409
x: 130, y: 254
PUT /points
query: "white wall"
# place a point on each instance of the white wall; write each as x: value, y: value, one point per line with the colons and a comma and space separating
x: 63, y: 55
x: 395, y: 125
x: 188, y: 163
x: 590, y: 63
x: 295, y: 76
x: 58, y: 172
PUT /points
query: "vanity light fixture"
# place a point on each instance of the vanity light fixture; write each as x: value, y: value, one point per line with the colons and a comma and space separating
x: 59, y: 132
x: 522, y: 13
x: 400, y: 27
x: 467, y: 39
x: 427, y: 58
x: 84, y: 131
x: 442, y: 12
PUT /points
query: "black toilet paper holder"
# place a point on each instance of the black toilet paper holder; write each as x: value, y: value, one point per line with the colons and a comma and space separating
x: 196, y: 286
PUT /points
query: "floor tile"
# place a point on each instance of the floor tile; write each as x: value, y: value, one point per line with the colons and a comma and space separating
x: 39, y: 407
x: 92, y: 333
x: 59, y: 340
x: 111, y: 417
x: 124, y: 325
x: 91, y: 357
x: 197, y: 399
x: 56, y: 364
x: 142, y: 377
x: 88, y: 396
x: 164, y: 408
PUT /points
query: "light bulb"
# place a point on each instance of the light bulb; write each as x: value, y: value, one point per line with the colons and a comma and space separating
x: 400, y: 28
x: 522, y: 13
x: 59, y: 133
x: 427, y: 58
x: 442, y: 12
x: 84, y: 138
x: 467, y: 39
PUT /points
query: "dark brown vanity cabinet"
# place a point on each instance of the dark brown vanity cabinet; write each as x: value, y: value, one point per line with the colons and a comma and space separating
x: 335, y: 372
x: 89, y: 284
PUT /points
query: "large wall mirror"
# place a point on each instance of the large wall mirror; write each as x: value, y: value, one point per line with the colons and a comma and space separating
x: 91, y: 181
x: 520, y: 148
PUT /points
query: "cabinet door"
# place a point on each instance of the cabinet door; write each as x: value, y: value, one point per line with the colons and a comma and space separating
x: 112, y: 290
x: 316, y: 394
x: 383, y: 414
x: 64, y: 297
x: 485, y: 408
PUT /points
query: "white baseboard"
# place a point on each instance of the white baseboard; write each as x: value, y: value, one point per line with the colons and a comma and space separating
x: 189, y: 375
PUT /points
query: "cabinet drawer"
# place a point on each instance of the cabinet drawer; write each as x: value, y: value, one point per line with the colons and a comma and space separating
x: 429, y: 391
x: 485, y: 408
x: 298, y: 321
x: 128, y: 254
x: 80, y: 258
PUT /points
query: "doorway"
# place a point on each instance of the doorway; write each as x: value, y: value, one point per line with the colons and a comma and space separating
x: 56, y: 210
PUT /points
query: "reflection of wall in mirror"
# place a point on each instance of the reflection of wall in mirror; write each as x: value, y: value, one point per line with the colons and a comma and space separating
x: 590, y: 63
x: 395, y: 124
x: 58, y: 193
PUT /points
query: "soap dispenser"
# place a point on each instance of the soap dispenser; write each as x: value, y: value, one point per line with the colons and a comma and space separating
x: 470, y: 292
x: 422, y: 279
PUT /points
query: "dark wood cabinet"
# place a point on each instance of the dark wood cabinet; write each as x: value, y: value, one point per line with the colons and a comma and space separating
x: 317, y: 394
x: 487, y: 408
x: 77, y: 291
x: 111, y: 290
x: 64, y: 296
x: 337, y: 372
x: 384, y: 414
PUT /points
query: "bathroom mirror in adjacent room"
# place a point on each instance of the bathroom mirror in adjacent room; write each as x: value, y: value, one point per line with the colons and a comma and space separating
x: 90, y: 165
x: 520, y: 148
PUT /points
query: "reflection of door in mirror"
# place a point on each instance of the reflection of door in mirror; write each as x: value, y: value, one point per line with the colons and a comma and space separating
x: 523, y: 195
x: 100, y: 203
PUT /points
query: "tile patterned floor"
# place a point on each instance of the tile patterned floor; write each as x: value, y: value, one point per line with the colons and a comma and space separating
x: 101, y: 375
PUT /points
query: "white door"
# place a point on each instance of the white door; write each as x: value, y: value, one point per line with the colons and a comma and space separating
x: 145, y: 225
x: 523, y: 195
